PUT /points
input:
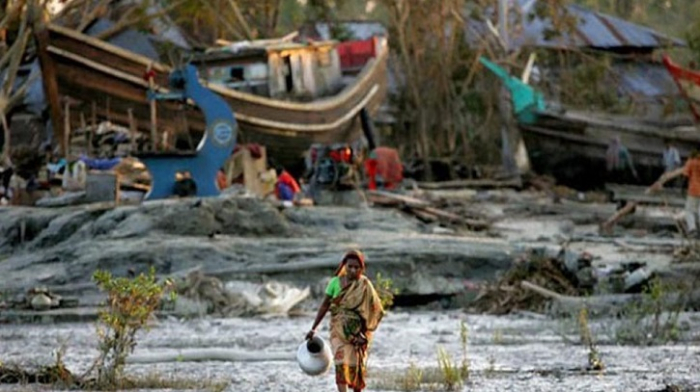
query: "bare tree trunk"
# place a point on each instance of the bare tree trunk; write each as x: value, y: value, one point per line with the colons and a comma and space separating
x: 6, y: 141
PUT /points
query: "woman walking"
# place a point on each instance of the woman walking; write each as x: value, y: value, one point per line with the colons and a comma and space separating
x: 356, y: 311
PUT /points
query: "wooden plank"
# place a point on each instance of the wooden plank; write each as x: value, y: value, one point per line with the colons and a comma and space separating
x: 50, y: 85
x: 481, y: 184
x: 670, y: 197
x: 407, y: 200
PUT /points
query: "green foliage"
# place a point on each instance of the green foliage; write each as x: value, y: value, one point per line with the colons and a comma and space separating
x: 653, y: 319
x: 386, y: 290
x: 413, y: 379
x: 463, y: 337
x: 453, y: 375
x: 341, y: 33
x: 594, y: 361
x: 130, y: 304
x: 692, y: 37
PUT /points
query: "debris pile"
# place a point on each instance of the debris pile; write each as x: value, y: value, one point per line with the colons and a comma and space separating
x: 507, y: 295
x: 425, y: 210
x: 45, y: 375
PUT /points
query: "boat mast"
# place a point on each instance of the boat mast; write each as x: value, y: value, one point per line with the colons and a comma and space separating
x: 514, y: 154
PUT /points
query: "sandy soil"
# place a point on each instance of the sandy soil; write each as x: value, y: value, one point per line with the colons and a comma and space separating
x: 523, y: 352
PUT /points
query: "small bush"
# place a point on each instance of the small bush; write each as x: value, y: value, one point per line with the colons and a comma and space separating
x: 130, y: 304
x: 413, y: 379
x: 386, y: 290
x: 447, y: 376
x: 653, y: 319
x: 453, y: 376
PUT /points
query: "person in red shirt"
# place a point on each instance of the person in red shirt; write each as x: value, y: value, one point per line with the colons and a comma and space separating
x: 286, y: 188
x: 383, y: 168
x: 691, y: 169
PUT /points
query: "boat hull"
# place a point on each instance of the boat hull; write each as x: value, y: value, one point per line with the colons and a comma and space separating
x: 572, y: 147
x: 107, y: 82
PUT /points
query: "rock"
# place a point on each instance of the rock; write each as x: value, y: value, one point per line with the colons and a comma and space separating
x: 254, y: 241
x: 187, y: 307
x: 41, y: 301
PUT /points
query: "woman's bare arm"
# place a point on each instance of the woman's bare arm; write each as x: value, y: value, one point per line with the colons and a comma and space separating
x: 667, y: 177
x: 322, y: 310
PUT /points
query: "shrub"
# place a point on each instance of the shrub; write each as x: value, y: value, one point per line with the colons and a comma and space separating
x: 130, y: 305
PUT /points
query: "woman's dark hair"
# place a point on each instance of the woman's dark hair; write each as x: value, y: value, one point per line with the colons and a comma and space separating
x: 695, y: 153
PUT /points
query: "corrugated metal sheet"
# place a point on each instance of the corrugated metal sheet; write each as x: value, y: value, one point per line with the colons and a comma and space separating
x: 650, y: 80
x: 594, y: 29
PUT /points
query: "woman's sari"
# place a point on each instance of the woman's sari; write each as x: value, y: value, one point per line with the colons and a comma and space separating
x: 355, y: 314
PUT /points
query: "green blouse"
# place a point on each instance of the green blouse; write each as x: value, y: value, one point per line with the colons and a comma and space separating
x: 333, y: 289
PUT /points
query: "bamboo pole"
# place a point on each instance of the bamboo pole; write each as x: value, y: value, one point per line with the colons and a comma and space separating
x: 132, y: 131
x: 154, y: 114
x: 66, y: 128
x: 93, y: 115
x: 6, y: 145
x: 50, y: 84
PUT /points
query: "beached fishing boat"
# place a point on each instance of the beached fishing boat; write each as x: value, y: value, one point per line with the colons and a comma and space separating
x: 571, y: 145
x: 688, y: 82
x: 88, y: 80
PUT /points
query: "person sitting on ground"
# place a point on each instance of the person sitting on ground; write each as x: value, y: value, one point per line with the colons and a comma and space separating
x: 74, y: 175
x: 286, y: 188
x: 619, y: 163
x: 691, y: 169
x: 221, y: 182
x: 356, y: 311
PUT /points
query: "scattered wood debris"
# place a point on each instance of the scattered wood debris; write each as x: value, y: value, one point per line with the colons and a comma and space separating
x: 53, y: 374
x: 507, y: 295
x: 473, y: 184
x: 423, y: 210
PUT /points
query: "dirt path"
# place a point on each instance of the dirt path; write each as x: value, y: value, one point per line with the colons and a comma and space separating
x: 521, y: 353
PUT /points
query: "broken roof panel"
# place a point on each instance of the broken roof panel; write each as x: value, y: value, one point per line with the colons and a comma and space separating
x: 594, y: 30
x: 650, y: 80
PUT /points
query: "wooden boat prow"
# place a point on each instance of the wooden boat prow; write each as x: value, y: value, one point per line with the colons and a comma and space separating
x: 110, y: 82
x: 688, y: 82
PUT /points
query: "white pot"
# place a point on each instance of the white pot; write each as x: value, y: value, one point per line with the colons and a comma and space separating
x: 314, y: 356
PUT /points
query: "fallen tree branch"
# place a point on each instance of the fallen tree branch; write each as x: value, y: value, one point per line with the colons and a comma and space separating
x: 479, y: 184
x: 609, y: 303
x: 209, y: 354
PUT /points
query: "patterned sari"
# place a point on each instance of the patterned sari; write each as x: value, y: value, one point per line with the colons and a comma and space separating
x: 355, y: 314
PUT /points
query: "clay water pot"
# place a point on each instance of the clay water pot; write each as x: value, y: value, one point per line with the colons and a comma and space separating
x: 314, y: 356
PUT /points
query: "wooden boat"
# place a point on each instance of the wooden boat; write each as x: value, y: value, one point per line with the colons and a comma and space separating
x: 571, y: 145
x: 107, y: 82
x: 688, y: 82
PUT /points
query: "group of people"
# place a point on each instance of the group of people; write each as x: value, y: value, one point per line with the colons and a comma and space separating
x: 620, y: 167
x: 690, y: 170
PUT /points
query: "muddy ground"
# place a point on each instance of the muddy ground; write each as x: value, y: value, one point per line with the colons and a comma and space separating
x: 517, y: 352
x: 259, y: 241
